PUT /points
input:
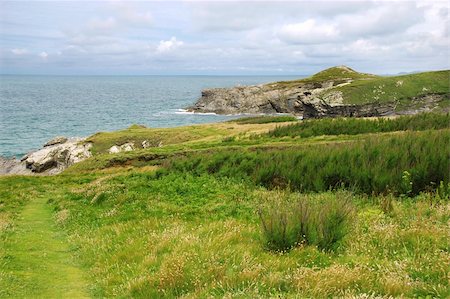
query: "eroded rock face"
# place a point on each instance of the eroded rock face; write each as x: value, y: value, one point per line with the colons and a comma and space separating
x: 307, y: 100
x: 53, y: 158
x: 267, y: 100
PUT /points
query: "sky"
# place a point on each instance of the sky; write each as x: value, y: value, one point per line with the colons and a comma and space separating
x: 222, y: 37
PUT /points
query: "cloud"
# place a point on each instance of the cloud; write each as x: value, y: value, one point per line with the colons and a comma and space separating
x: 249, y: 37
x: 101, y: 25
x: 309, y: 31
x: 19, y: 51
x: 43, y: 55
x: 168, y: 45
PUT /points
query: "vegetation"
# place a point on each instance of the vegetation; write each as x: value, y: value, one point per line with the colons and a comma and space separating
x: 341, y: 73
x: 374, y: 165
x: 397, y: 88
x: 353, y: 126
x: 222, y: 213
x: 322, y: 221
x: 265, y: 119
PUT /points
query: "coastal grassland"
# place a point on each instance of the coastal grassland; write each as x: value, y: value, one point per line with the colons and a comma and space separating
x: 397, y: 88
x: 143, y: 236
x: 182, y: 136
x: 204, y: 218
x: 353, y: 126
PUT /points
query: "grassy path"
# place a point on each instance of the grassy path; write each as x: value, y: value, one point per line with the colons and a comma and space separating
x: 38, y: 262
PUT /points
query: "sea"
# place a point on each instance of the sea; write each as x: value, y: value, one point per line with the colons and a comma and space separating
x: 34, y: 109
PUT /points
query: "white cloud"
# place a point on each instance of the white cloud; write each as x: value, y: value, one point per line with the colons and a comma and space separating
x: 309, y: 32
x: 267, y: 36
x: 168, y: 45
x: 127, y: 13
x: 98, y: 24
x: 43, y: 55
x: 19, y: 51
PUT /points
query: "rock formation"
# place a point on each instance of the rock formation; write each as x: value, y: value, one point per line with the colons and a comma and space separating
x: 56, y: 155
x: 317, y: 96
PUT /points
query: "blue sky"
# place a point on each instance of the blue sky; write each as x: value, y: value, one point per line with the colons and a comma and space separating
x: 226, y: 37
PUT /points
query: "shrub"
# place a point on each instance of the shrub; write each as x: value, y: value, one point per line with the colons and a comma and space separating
x: 353, y: 126
x: 375, y: 165
x: 310, y: 220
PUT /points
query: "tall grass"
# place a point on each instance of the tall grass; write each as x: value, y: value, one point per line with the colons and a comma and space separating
x: 375, y: 165
x: 303, y: 220
x: 353, y: 126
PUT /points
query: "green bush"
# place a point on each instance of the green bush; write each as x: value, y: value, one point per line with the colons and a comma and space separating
x: 305, y: 220
x: 353, y: 126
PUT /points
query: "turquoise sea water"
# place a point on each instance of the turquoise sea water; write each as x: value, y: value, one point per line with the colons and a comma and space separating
x: 34, y: 109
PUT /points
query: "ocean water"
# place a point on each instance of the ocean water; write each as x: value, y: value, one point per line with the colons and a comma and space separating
x: 34, y: 109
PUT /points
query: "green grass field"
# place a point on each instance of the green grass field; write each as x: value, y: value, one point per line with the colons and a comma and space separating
x: 225, y: 210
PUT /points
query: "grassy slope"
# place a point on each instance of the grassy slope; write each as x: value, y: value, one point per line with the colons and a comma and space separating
x: 385, y: 89
x: 141, y: 236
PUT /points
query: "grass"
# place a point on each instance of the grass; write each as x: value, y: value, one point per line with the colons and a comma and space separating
x: 353, y: 126
x: 304, y: 220
x: 148, y: 237
x: 374, y: 165
x: 183, y: 220
x: 339, y: 74
x: 35, y: 258
x: 397, y: 88
x: 265, y: 119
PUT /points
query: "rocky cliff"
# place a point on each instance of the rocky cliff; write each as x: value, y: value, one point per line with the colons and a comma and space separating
x: 338, y: 91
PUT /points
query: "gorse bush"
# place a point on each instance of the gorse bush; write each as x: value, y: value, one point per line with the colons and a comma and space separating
x: 375, y: 165
x: 321, y: 220
x: 353, y: 126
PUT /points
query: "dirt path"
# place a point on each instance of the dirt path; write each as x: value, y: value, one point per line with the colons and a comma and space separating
x: 38, y: 261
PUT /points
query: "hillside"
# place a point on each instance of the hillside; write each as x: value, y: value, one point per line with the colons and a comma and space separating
x: 337, y: 91
x: 261, y: 207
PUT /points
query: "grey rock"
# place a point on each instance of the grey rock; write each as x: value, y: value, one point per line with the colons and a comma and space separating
x: 53, y: 158
x: 305, y: 100
x: 56, y: 140
x: 12, y: 166
x: 126, y: 147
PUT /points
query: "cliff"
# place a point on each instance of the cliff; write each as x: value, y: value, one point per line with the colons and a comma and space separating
x: 337, y: 91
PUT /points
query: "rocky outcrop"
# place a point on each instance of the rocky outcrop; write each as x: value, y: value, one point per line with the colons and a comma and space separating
x: 13, y: 166
x: 126, y: 147
x: 53, y: 158
x: 317, y: 96
x: 131, y: 146
x: 307, y: 100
